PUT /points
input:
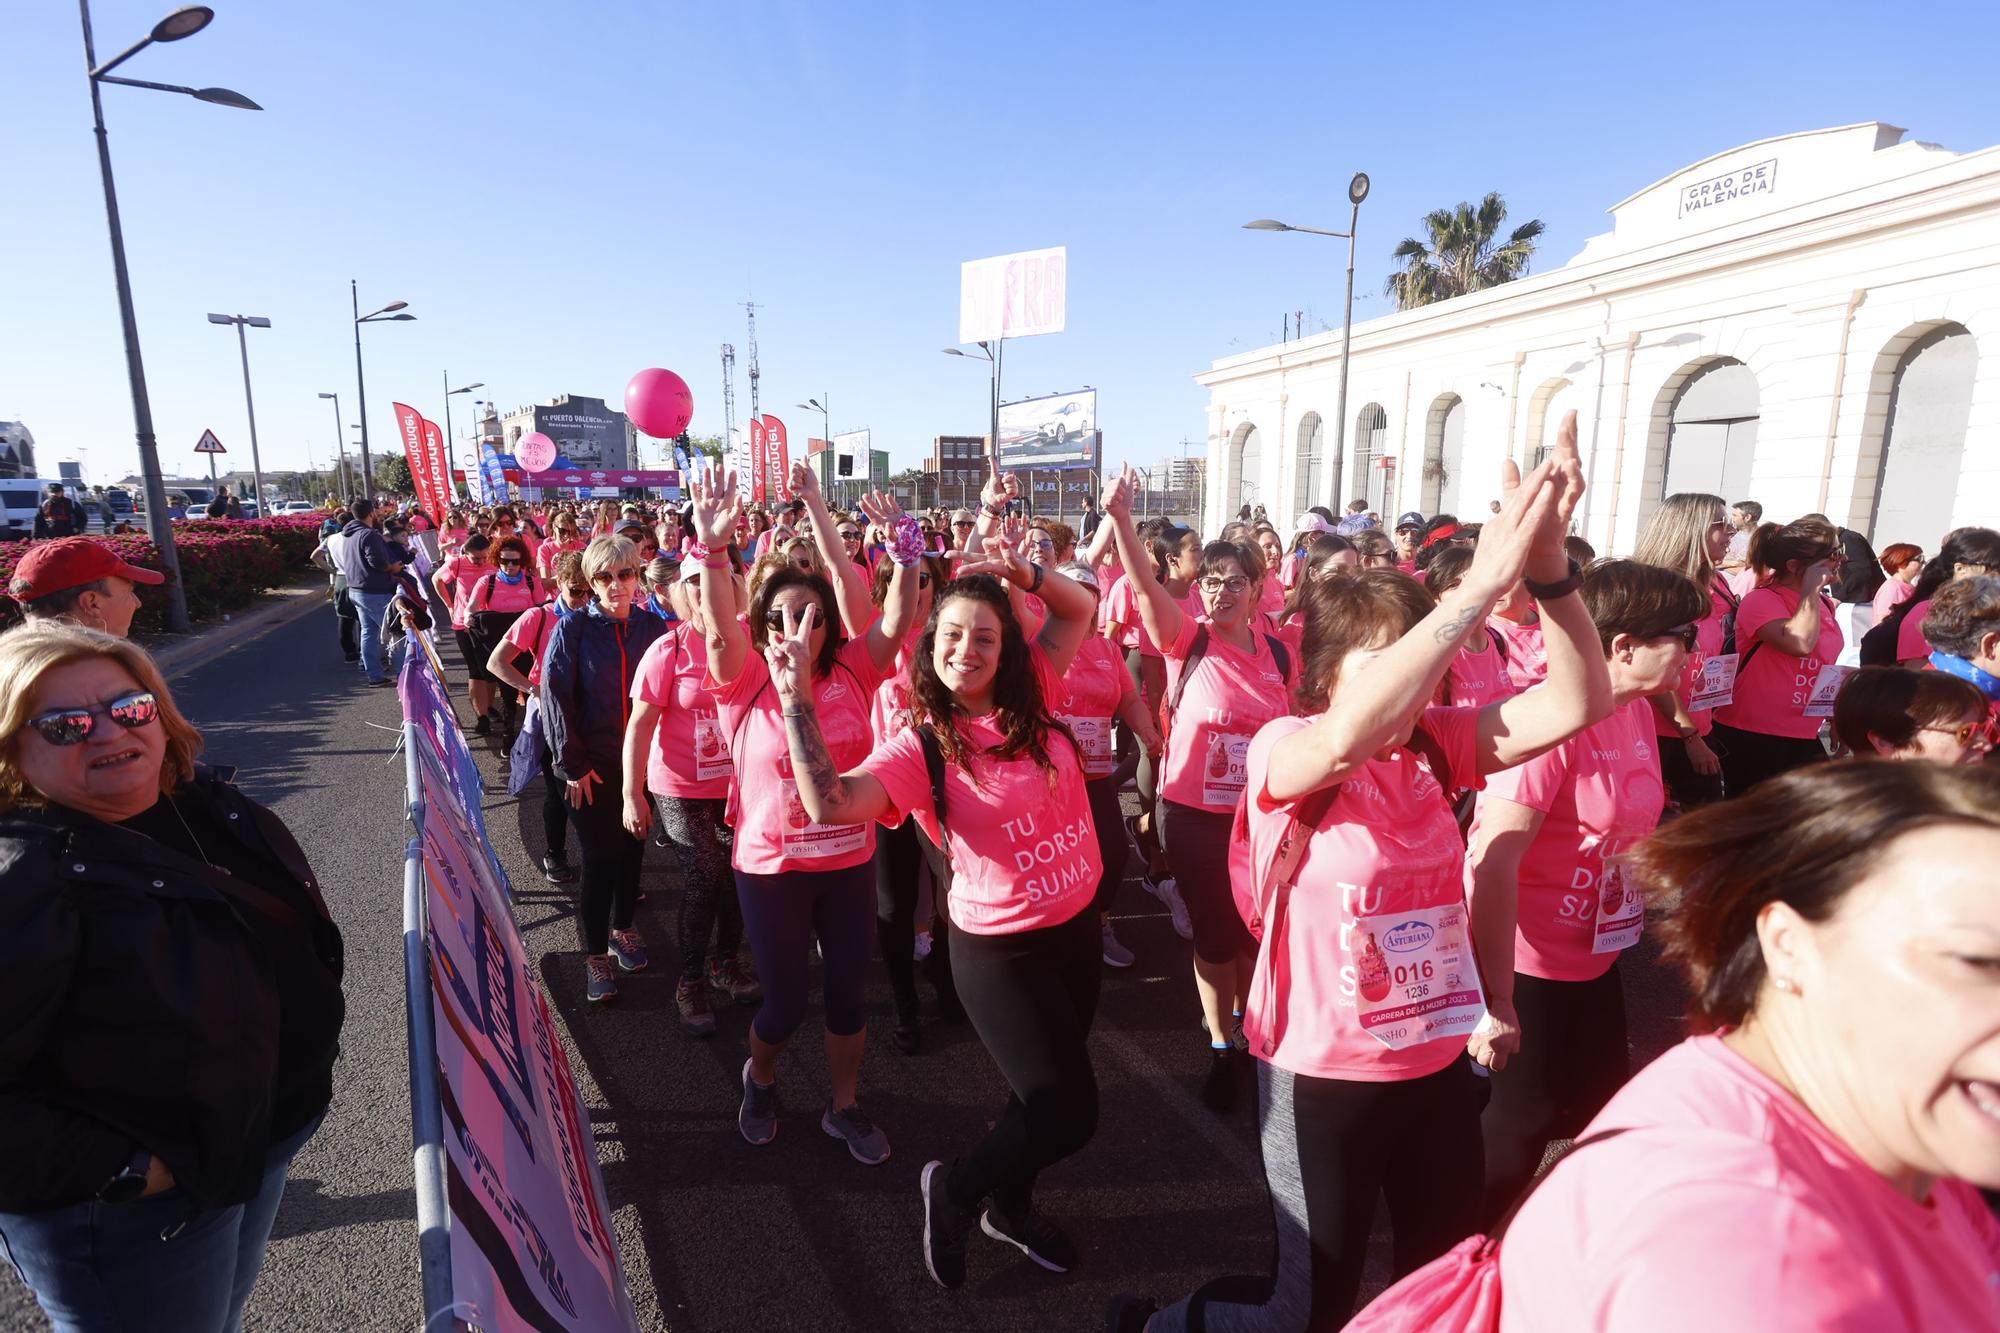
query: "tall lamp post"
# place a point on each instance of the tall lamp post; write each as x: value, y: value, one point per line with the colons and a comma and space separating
x: 340, y: 443
x: 990, y: 352
x: 389, y: 312
x: 183, y: 22
x: 449, y: 392
x: 249, y: 404
x: 1357, y: 190
x: 826, y: 427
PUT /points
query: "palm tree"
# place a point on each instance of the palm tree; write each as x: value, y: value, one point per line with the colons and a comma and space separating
x: 1463, y: 254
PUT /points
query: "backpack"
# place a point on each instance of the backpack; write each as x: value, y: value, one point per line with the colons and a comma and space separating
x: 935, y: 854
x: 1198, y: 650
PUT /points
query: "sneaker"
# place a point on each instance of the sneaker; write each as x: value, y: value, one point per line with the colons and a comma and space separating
x: 598, y: 983
x: 1128, y: 1314
x: 380, y: 682
x: 1169, y: 893
x: 691, y: 999
x: 556, y: 868
x: 1219, y: 1085
x: 907, y: 1034
x: 1035, y: 1236
x: 726, y: 979
x: 1115, y: 954
x: 630, y: 950
x: 945, y: 1229
x: 866, y: 1142
x: 483, y: 727
x: 923, y: 948
x: 1236, y: 1037
x: 757, y: 1118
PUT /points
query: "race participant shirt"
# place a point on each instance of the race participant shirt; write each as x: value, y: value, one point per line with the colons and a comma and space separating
x: 1709, y: 679
x: 1370, y: 976
x: 531, y: 635
x: 463, y: 575
x: 774, y: 833
x: 496, y: 594
x: 889, y: 707
x: 1122, y: 606
x: 1599, y: 793
x: 1112, y: 579
x: 551, y: 551
x: 1478, y: 675
x: 689, y: 758
x: 1230, y: 695
x: 1728, y: 1205
x: 1892, y: 594
x: 1022, y: 846
x: 1271, y: 597
x: 1087, y: 700
x: 1910, y: 640
x: 1527, y: 657
x: 1778, y: 694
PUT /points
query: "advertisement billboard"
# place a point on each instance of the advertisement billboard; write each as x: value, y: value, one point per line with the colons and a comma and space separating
x: 1059, y: 431
x: 587, y: 433
x: 1013, y: 296
x: 850, y: 452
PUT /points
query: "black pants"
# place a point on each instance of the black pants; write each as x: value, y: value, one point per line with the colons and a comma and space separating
x: 609, y: 893
x: 1573, y: 1057
x: 1031, y: 996
x: 702, y: 842
x: 1748, y: 757
x: 1685, y: 787
x: 1197, y: 843
x: 1112, y: 844
x: 348, y: 621
x: 899, y: 854
x: 555, y: 806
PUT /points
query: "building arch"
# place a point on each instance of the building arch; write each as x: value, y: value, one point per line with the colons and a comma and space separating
x: 1444, y: 455
x: 1246, y: 462
x: 1907, y: 479
x: 1310, y: 464
x: 1552, y: 398
x: 1371, y: 441
x: 1702, y: 435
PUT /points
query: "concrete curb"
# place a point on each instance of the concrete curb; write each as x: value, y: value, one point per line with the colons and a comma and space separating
x: 281, y: 606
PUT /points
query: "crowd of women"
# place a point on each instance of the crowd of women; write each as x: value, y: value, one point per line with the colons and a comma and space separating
x: 1410, y: 797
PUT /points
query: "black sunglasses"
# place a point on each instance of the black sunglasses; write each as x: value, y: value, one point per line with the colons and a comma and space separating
x: 1687, y: 634
x: 72, y: 726
x: 511, y: 560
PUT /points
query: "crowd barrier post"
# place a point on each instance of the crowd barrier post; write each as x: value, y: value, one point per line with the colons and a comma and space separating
x: 426, y: 1117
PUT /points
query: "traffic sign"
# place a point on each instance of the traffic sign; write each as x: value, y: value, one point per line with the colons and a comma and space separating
x: 209, y: 444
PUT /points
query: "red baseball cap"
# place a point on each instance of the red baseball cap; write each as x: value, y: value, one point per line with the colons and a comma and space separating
x: 71, y: 562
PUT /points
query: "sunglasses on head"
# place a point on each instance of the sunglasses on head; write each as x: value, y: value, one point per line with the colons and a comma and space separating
x: 72, y: 726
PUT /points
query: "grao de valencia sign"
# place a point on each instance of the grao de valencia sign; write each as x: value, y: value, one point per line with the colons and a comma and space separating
x: 1758, y: 178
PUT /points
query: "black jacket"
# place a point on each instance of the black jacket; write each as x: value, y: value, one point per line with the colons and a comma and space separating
x: 1861, y: 576
x: 134, y: 1009
x: 587, y: 689
x: 58, y: 517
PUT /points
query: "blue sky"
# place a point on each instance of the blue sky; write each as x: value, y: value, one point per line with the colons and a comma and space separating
x: 567, y: 194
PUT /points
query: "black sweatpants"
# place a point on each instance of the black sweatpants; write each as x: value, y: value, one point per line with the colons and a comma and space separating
x: 1113, y: 847
x: 1573, y: 1057
x: 555, y: 805
x: 1685, y: 787
x: 609, y: 893
x: 1748, y: 757
x: 1031, y: 996
x: 899, y: 856
x: 702, y: 842
x: 1331, y: 1147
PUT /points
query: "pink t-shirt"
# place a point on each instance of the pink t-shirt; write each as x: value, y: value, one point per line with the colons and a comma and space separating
x: 492, y: 593
x: 1599, y: 793
x: 1111, y: 579
x: 551, y: 551
x: 1230, y: 695
x: 1910, y: 640
x: 462, y: 574
x: 1023, y: 848
x: 531, y: 635
x: 1708, y: 643
x: 1477, y: 676
x: 889, y: 707
x: 1121, y: 604
x: 1892, y: 594
x: 1271, y: 597
x: 1527, y: 657
x: 1728, y: 1206
x: 1088, y: 698
x: 773, y: 832
x: 1378, y: 913
x: 689, y: 758
x: 1772, y: 691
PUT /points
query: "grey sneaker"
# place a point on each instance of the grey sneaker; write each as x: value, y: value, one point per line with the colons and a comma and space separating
x: 866, y: 1142
x: 1169, y: 893
x: 728, y: 979
x: 598, y: 983
x: 757, y: 1118
x: 629, y: 948
x: 945, y: 1229
x: 691, y: 999
x: 1115, y: 954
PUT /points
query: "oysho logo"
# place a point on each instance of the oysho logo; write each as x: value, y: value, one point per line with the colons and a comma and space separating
x: 1408, y: 937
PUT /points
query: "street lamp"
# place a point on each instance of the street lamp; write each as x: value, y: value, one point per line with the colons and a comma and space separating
x: 249, y: 404
x: 991, y: 352
x: 340, y: 443
x: 387, y: 313
x: 183, y: 22
x: 1357, y: 190
x: 826, y: 425
x: 448, y: 392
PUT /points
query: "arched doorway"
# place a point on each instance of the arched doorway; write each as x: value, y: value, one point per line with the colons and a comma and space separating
x: 1311, y: 464
x: 1551, y: 403
x: 1371, y: 441
x: 1444, y: 455
x: 1712, y: 432
x: 1916, y: 480
x: 1246, y: 462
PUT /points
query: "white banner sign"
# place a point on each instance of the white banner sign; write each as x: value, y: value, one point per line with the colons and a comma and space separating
x: 1013, y: 296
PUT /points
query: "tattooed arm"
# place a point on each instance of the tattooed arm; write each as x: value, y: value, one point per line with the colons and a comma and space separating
x: 829, y: 796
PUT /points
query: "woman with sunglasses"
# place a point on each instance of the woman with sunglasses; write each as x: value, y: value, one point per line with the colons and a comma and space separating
x: 497, y: 601
x: 529, y: 637
x: 1689, y: 533
x: 454, y: 581
x: 1226, y: 677
x: 170, y: 998
x: 1896, y: 713
x: 1551, y: 910
x: 1788, y: 645
x: 586, y: 701
x: 796, y: 877
x: 564, y: 537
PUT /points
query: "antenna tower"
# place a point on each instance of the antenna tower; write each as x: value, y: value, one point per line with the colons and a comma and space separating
x: 751, y: 307
x: 728, y: 458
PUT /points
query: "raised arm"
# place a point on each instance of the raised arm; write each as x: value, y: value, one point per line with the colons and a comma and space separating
x: 829, y: 796
x: 1072, y: 610
x: 1001, y: 489
x: 1798, y: 633
x: 715, y: 509
x: 1159, y: 613
x: 850, y: 585
x: 899, y: 608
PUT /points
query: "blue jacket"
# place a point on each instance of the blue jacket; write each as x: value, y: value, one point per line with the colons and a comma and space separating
x: 364, y: 559
x: 587, y: 675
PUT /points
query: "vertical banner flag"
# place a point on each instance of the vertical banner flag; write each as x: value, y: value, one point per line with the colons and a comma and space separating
x: 759, y: 448
x: 779, y: 447
x: 495, y: 472
x: 443, y: 493
x: 410, y: 427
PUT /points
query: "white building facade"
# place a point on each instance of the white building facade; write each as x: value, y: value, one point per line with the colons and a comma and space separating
x: 1812, y: 322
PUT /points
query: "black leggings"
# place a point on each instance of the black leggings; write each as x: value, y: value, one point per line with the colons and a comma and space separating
x: 611, y: 858
x: 702, y: 842
x: 781, y: 915
x: 1197, y: 843
x: 1572, y: 1059
x: 1112, y: 844
x: 1331, y: 1147
x: 1031, y: 995
x: 899, y: 855
x: 1685, y: 787
x: 1748, y: 757
x: 555, y: 805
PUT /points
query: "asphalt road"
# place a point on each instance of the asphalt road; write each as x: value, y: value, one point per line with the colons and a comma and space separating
x: 716, y: 1235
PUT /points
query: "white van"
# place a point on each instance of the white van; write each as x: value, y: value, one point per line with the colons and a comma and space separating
x: 21, y: 497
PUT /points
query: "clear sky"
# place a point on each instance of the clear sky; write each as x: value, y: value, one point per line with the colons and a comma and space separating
x: 568, y: 193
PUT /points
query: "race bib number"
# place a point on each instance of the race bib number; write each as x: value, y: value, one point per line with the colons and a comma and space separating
x: 1826, y: 688
x: 1224, y: 775
x: 1414, y: 977
x: 1621, y: 912
x: 711, y: 748
x: 1093, y: 740
x: 808, y: 841
x: 1715, y: 687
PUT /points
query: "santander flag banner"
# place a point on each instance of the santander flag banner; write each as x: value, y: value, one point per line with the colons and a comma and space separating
x: 410, y: 427
x: 778, y: 446
x: 759, y: 460
x: 439, y: 464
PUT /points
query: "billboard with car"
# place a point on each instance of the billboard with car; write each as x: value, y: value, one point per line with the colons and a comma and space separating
x: 1059, y: 431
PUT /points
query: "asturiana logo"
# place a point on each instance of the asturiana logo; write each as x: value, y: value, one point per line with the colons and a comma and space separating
x: 1408, y: 936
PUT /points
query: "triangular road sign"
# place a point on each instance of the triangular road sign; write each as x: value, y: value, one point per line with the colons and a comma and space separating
x: 209, y: 444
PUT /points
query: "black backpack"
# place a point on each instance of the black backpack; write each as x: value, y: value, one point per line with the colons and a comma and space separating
x: 1198, y: 650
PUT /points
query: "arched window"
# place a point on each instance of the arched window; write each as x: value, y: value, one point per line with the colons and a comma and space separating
x: 1916, y: 485
x: 1246, y: 462
x: 1311, y: 466
x: 1712, y: 432
x: 1371, y: 441
x: 1444, y: 453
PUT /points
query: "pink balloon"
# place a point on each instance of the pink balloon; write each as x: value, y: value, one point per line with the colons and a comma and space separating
x: 535, y: 452
x: 659, y: 403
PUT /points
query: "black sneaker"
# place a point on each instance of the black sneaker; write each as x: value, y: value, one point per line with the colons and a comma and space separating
x: 907, y: 1035
x: 556, y: 869
x: 691, y: 1000
x: 1128, y: 1314
x: 1035, y: 1236
x: 1219, y: 1086
x: 483, y: 727
x: 599, y: 984
x: 945, y: 1228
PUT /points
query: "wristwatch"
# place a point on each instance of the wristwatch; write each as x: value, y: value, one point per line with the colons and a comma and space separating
x: 130, y: 1182
x: 1563, y: 587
